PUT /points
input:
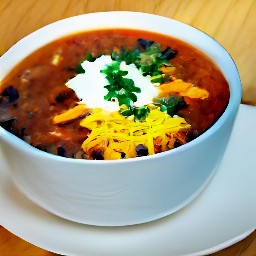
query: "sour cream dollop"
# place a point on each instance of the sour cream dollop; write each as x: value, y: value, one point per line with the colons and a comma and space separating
x: 89, y: 86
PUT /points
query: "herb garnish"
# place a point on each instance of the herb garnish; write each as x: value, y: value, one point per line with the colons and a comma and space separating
x: 170, y: 105
x: 140, y: 113
x: 148, y: 58
x: 123, y: 89
x: 119, y: 87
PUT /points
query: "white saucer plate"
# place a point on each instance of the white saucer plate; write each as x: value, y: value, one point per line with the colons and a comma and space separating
x: 222, y: 215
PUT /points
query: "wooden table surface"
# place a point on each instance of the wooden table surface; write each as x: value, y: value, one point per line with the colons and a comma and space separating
x: 231, y: 22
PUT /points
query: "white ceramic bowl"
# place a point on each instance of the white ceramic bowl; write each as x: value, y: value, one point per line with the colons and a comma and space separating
x: 129, y: 191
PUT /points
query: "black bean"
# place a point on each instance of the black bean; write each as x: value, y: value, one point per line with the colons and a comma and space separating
x: 23, y: 132
x: 192, y: 134
x: 61, y: 151
x: 61, y: 97
x: 145, y: 43
x: 7, y: 124
x: 181, y: 103
x: 141, y: 150
x: 177, y: 143
x: 97, y: 155
x: 12, y: 94
x: 168, y: 53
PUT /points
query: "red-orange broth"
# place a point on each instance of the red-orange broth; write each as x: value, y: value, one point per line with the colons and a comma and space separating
x: 37, y: 91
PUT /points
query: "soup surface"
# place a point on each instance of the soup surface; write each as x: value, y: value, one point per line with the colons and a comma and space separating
x: 112, y: 94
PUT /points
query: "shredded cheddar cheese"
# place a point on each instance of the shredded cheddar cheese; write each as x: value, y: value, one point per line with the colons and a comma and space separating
x: 167, y: 69
x: 182, y: 88
x: 115, y: 134
x: 71, y: 114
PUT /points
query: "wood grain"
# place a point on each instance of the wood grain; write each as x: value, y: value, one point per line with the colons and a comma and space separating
x: 231, y: 22
x: 11, y: 245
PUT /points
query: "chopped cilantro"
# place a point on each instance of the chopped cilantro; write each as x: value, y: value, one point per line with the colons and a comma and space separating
x: 159, y: 79
x: 79, y: 69
x: 149, y: 57
x: 170, y: 105
x: 140, y: 113
x: 90, y: 57
x: 120, y: 87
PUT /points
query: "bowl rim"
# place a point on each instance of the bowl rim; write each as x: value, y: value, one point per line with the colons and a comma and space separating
x: 127, y: 16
